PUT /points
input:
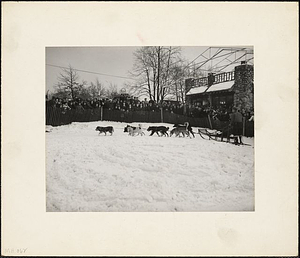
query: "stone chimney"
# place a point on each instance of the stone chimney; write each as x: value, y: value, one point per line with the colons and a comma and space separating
x: 244, y: 86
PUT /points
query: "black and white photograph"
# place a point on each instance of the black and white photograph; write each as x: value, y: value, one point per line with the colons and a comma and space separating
x: 150, y: 128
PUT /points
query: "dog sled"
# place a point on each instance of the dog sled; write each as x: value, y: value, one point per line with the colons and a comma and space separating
x: 220, y: 136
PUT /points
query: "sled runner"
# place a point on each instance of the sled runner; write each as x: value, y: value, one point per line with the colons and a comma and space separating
x: 219, y: 136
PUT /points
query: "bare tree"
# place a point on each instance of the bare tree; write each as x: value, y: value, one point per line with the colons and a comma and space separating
x: 83, y: 90
x: 194, y: 72
x: 177, y: 88
x: 96, y: 89
x: 111, y: 91
x: 152, y: 71
x: 177, y: 73
x: 68, y: 84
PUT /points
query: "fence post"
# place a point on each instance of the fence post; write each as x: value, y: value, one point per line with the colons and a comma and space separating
x: 209, y: 120
x: 184, y: 109
x: 244, y: 121
x: 162, y: 115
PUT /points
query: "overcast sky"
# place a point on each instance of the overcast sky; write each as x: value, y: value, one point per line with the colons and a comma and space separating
x: 105, y: 62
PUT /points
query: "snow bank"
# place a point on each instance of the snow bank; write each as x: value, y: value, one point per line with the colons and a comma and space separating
x: 95, y: 173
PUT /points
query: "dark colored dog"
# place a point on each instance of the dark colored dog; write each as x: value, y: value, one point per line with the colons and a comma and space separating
x: 189, y: 128
x: 158, y: 129
x: 106, y: 129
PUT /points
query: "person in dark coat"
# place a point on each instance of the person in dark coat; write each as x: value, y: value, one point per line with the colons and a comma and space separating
x: 236, y: 124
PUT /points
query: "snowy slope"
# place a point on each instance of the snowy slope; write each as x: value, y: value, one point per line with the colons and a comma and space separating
x: 93, y: 173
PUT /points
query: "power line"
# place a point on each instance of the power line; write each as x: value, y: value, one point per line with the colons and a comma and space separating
x: 215, y: 56
x: 84, y: 71
x: 226, y: 56
x: 233, y: 62
x: 232, y: 51
x: 203, y: 62
x: 189, y: 64
x: 218, y: 52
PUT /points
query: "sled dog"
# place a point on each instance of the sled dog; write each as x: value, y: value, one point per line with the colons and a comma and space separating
x: 132, y: 130
x: 180, y: 129
x: 158, y: 129
x: 106, y: 129
x: 189, y: 128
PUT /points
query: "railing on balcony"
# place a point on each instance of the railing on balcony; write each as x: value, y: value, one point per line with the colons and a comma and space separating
x: 200, y: 82
x: 224, y: 77
x: 218, y: 78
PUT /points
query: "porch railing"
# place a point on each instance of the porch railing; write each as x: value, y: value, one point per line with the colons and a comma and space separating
x: 218, y: 78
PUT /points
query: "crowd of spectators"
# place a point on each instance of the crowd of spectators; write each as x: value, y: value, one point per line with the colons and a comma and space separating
x: 122, y: 104
x: 217, y: 113
x: 127, y: 104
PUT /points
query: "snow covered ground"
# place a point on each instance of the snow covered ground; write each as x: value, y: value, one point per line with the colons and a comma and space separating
x: 87, y: 172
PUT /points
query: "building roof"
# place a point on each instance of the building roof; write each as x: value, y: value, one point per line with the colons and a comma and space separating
x: 221, y: 86
x: 197, y: 90
x: 215, y: 87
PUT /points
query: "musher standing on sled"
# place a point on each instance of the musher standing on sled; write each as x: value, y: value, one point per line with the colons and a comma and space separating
x: 236, y: 124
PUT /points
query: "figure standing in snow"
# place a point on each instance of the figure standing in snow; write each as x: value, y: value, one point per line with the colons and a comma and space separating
x: 236, y: 124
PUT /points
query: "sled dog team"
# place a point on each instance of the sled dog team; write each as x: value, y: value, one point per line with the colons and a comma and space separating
x: 178, y: 130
